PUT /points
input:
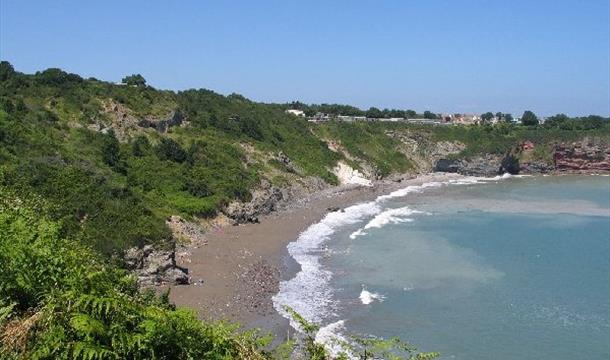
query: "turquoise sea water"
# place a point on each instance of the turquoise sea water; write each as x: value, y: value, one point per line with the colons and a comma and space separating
x: 516, y: 268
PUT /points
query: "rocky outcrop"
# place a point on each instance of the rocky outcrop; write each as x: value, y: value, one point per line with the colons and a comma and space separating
x: 523, y: 160
x: 585, y: 156
x: 589, y: 156
x: 424, y: 151
x: 176, y: 118
x: 535, y: 167
x: 268, y: 198
x: 125, y: 123
x: 155, y: 267
x: 288, y: 165
x: 121, y: 120
x: 488, y: 165
x: 348, y: 175
x: 186, y: 231
x: 264, y: 200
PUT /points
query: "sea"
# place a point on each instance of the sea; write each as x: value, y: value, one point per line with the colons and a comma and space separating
x: 511, y: 267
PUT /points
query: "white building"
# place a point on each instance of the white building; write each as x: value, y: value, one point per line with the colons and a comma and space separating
x: 296, y: 112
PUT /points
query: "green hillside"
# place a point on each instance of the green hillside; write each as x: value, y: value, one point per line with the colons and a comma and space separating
x: 89, y: 168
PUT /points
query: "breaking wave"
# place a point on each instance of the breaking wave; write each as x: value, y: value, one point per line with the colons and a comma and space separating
x: 367, y: 297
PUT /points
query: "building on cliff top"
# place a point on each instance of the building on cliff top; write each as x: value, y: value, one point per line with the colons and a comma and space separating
x: 296, y: 112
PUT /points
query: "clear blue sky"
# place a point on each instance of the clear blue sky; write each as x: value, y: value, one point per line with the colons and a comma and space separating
x: 451, y: 55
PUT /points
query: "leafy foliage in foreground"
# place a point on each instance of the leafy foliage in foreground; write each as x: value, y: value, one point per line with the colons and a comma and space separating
x: 61, y: 301
x: 360, y: 347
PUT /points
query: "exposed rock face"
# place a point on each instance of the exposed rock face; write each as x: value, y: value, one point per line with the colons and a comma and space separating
x: 155, y: 267
x: 268, y: 198
x: 121, y: 120
x: 585, y: 156
x: 524, y: 160
x: 535, y: 167
x: 347, y: 175
x: 161, y: 125
x: 185, y: 230
x: 424, y: 151
x: 286, y: 162
x: 125, y: 123
x: 264, y: 200
x: 488, y: 165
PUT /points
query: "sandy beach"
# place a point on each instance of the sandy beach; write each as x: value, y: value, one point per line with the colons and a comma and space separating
x: 236, y: 273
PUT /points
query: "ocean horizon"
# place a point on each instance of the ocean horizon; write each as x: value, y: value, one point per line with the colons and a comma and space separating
x: 471, y: 267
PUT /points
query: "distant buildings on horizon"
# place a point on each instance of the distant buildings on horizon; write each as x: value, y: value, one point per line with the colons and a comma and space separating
x: 442, y: 119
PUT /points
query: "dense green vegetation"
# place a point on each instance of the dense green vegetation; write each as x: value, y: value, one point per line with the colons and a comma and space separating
x: 116, y: 194
x: 81, y: 181
x: 367, y: 141
x: 59, y: 300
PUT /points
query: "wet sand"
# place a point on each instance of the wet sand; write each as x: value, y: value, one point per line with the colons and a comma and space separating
x: 241, y: 266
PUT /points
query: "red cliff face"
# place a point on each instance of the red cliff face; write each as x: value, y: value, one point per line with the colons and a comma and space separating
x: 582, y: 157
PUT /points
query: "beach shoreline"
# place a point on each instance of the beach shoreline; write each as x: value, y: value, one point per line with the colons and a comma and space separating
x: 238, y: 271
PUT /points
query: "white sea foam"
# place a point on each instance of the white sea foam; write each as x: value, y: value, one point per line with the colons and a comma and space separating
x: 408, y: 288
x: 367, y: 297
x: 309, y: 293
x: 390, y: 216
x: 331, y: 337
x: 357, y: 233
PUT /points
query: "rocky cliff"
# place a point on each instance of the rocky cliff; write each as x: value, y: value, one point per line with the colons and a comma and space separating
x: 155, y: 266
x: 488, y: 165
x: 586, y: 156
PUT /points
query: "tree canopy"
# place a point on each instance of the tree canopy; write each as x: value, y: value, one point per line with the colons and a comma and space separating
x: 430, y: 115
x: 529, y: 119
x: 134, y: 80
x: 486, y: 117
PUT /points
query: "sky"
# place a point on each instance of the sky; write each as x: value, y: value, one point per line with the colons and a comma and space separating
x: 451, y: 56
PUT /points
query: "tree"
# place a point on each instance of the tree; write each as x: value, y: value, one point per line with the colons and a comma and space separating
x: 556, y: 120
x: 140, y: 146
x: 169, y: 149
x: 499, y: 116
x: 529, y: 119
x: 429, y: 115
x: 374, y: 113
x: 134, y: 80
x: 508, y: 118
x: 56, y: 77
x: 487, y: 116
x: 410, y: 114
x: 6, y: 70
x: 110, y: 149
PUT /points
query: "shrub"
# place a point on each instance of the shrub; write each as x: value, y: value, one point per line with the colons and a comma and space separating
x: 110, y: 149
x: 169, y: 149
x: 140, y: 146
x: 59, y: 301
x: 134, y: 80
